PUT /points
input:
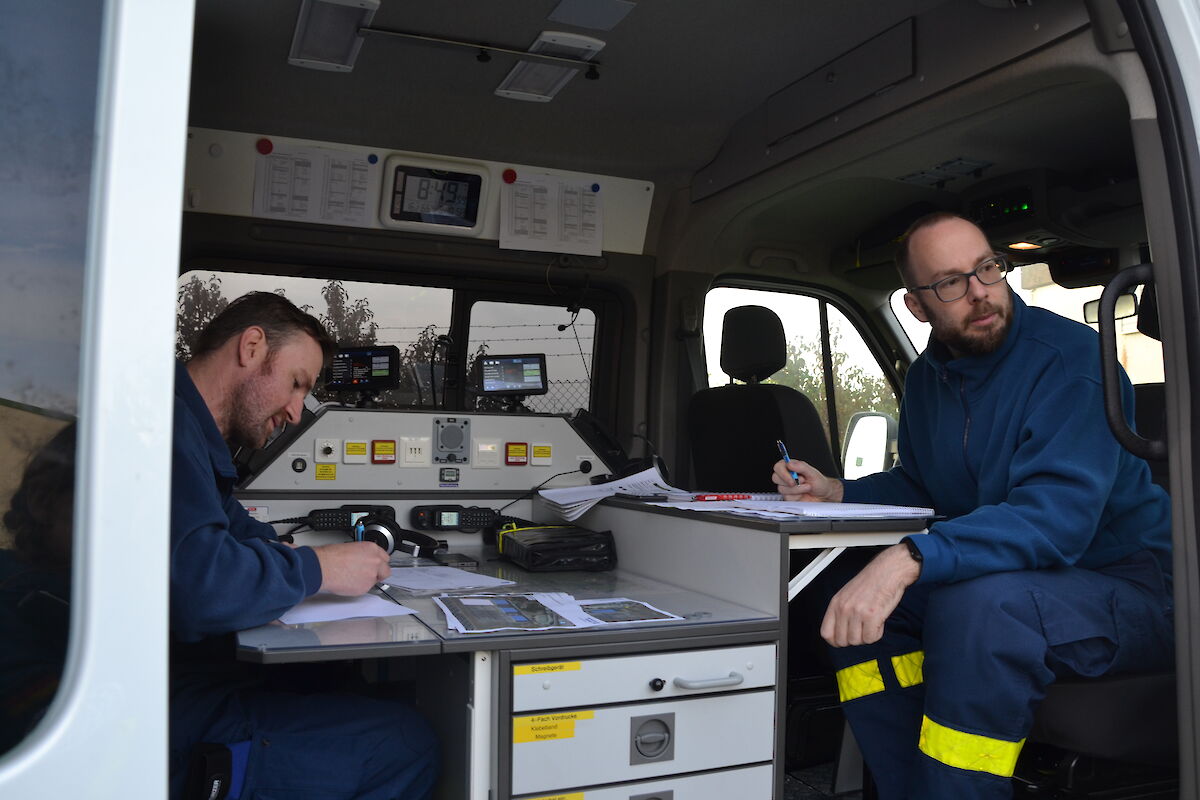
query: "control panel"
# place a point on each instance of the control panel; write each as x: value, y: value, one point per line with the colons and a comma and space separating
x: 356, y: 449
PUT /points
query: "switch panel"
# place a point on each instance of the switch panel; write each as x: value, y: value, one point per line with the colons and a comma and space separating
x: 327, y: 451
x: 414, y: 451
x: 487, y: 454
x: 355, y: 452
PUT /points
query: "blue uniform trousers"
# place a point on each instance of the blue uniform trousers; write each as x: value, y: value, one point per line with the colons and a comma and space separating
x: 941, y: 705
x: 305, y: 746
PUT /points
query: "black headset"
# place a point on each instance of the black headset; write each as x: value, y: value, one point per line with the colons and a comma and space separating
x: 392, y: 538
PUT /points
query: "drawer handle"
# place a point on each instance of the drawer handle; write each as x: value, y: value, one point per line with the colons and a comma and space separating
x: 733, y: 679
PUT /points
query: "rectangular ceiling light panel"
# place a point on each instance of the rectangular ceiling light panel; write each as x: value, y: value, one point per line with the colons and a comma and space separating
x: 327, y: 34
x: 539, y: 81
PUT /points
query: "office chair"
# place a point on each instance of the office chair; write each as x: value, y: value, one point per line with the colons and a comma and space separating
x: 733, y: 428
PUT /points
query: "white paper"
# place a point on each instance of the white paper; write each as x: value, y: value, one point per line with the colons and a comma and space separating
x: 441, y: 579
x: 626, y: 611
x: 327, y: 607
x: 314, y: 185
x: 784, y: 509
x: 572, y: 502
x: 548, y: 214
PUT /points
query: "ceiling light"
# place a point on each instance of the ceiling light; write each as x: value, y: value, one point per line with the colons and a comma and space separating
x: 327, y: 33
x: 539, y: 82
x: 1024, y: 246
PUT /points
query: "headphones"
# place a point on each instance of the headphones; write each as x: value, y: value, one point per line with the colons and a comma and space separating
x: 392, y: 538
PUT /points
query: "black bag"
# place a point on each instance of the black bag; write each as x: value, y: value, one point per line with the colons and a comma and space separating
x: 552, y: 548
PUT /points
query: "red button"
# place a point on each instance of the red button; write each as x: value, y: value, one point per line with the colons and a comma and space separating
x: 264, y: 146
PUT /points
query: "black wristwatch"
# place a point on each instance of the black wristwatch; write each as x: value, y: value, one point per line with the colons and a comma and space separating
x: 913, y: 550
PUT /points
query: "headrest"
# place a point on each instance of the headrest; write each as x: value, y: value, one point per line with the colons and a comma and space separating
x: 753, y: 347
x: 1148, y: 313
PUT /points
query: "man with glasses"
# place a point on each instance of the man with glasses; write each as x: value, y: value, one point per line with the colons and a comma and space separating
x: 1053, y: 557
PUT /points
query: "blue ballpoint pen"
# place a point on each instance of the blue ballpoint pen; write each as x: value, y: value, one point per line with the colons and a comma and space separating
x: 786, y: 458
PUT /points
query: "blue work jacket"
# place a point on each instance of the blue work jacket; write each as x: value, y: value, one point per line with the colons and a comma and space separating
x: 228, y: 571
x: 1014, y: 449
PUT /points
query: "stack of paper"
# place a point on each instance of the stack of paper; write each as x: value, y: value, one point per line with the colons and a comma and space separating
x: 571, y: 502
x: 785, y: 509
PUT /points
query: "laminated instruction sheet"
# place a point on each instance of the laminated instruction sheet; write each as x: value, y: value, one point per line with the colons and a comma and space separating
x: 540, y: 611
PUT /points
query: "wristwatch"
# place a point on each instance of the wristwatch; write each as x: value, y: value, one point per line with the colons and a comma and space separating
x: 913, y: 550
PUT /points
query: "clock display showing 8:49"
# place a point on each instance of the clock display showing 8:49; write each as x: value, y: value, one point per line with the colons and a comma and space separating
x: 442, y: 197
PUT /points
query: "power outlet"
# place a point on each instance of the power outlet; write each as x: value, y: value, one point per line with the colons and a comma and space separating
x: 327, y: 451
x: 414, y: 451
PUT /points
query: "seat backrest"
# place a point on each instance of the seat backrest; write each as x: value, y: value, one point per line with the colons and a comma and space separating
x: 733, y: 429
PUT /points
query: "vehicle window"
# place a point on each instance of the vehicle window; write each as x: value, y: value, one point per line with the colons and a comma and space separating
x: 48, y: 85
x: 564, y: 335
x: 356, y: 313
x: 859, y: 383
x: 1139, y: 354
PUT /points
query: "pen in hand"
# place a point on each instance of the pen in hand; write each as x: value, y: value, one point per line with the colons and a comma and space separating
x: 786, y: 458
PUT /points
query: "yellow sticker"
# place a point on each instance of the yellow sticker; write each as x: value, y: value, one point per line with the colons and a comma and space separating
x: 385, y: 447
x: 541, y: 669
x: 545, y: 727
x: 326, y: 472
x: 356, y: 448
x: 571, y: 796
x: 541, y: 451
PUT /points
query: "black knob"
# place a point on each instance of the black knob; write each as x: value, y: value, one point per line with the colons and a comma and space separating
x: 657, y: 684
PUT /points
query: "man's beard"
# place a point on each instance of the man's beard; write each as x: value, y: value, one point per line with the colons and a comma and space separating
x: 965, y: 342
x: 247, y: 412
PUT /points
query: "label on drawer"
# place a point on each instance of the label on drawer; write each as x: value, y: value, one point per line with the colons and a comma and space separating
x: 539, y: 669
x: 545, y: 727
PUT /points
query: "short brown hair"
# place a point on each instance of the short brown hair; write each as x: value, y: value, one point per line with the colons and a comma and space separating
x: 279, y: 318
x: 903, y: 260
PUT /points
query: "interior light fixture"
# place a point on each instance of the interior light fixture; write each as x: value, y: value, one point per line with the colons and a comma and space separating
x: 328, y: 33
x: 1024, y: 246
x: 538, y: 81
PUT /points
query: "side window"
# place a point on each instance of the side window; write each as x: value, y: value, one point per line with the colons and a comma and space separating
x: 357, y: 314
x: 48, y: 82
x: 1140, y: 355
x: 565, y: 336
x: 827, y: 357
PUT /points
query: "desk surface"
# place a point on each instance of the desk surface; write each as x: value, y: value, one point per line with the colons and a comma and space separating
x: 426, y: 632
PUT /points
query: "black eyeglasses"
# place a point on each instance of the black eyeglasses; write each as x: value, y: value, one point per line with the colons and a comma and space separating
x: 954, y: 287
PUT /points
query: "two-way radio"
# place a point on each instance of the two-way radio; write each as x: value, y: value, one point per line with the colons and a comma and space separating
x: 452, y: 518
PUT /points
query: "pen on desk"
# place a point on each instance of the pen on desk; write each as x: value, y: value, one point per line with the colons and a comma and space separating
x: 786, y: 458
x: 721, y: 497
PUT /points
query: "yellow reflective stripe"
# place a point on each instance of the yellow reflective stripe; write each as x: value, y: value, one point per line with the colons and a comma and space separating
x: 969, y: 750
x: 908, y: 668
x: 859, y: 680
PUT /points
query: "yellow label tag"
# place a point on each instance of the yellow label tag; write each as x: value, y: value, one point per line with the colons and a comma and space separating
x: 356, y: 448
x: 385, y: 448
x: 542, y: 450
x: 326, y: 472
x: 571, y: 796
x: 545, y: 727
x: 540, y: 669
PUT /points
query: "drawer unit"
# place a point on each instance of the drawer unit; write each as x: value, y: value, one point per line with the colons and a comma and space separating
x: 559, y: 749
x: 746, y: 783
x: 657, y: 676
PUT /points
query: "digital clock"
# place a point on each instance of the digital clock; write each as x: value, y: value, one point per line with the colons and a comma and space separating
x: 422, y: 196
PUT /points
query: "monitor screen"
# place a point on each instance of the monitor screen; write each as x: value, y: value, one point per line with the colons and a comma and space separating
x: 364, y: 369
x: 513, y: 374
